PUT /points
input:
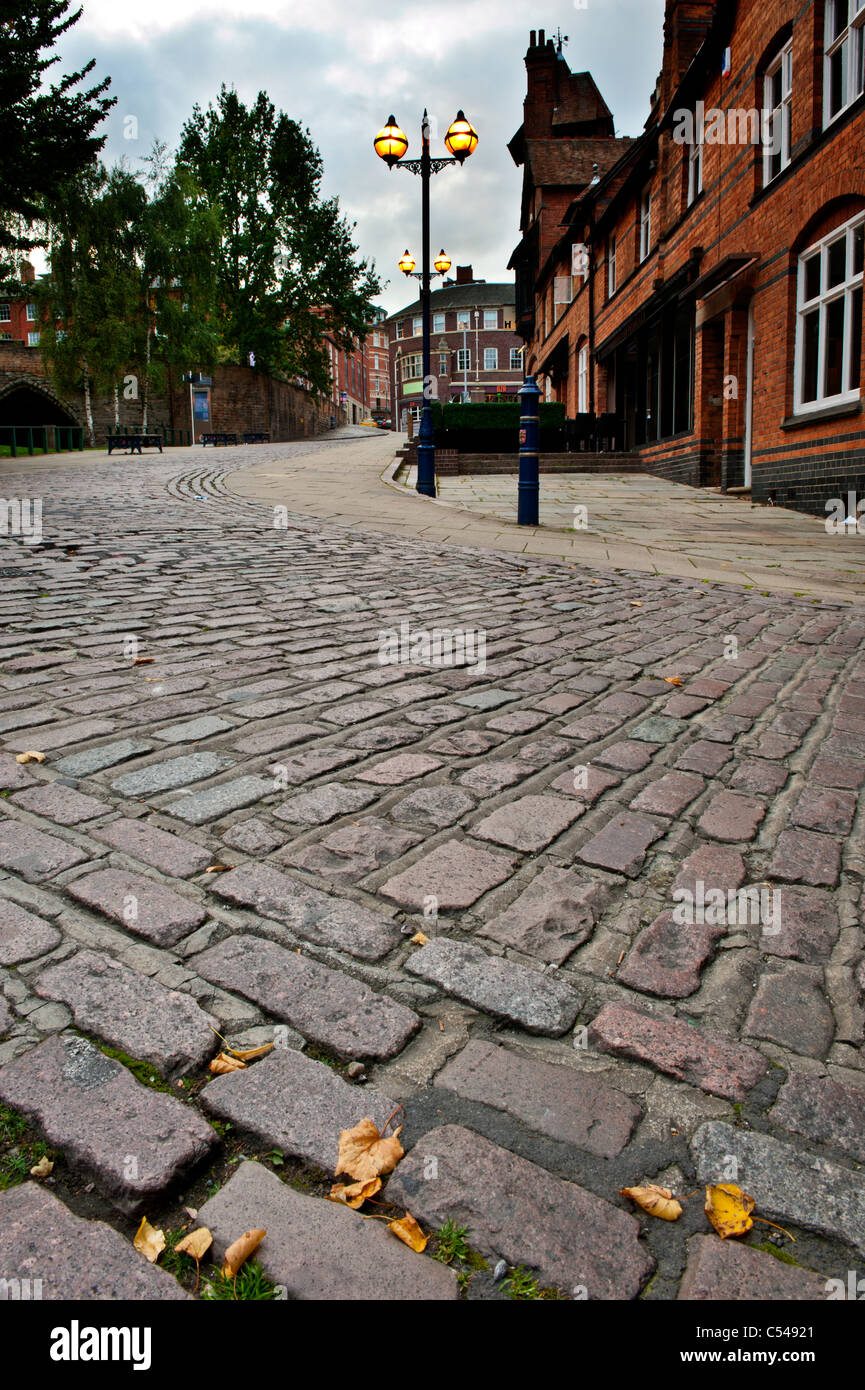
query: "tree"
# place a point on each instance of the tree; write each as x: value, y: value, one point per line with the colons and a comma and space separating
x: 288, y: 269
x: 46, y: 134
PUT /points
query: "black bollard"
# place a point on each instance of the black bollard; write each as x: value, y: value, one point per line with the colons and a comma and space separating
x: 529, y: 485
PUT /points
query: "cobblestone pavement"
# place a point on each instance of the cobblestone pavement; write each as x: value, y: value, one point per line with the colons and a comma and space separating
x: 633, y: 750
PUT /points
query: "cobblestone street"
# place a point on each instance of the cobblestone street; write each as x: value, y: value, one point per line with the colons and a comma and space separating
x: 244, y: 818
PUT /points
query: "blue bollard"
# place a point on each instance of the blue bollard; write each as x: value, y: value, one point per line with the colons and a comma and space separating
x: 528, y: 490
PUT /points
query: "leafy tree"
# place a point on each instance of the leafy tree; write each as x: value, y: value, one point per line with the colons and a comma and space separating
x: 288, y: 268
x: 46, y: 132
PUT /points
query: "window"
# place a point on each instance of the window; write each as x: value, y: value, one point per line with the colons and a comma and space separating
x: 645, y: 225
x: 438, y: 323
x: 463, y: 318
x: 5, y: 313
x: 399, y: 328
x: 33, y: 339
x: 583, y: 380
x: 778, y: 103
x: 611, y: 267
x: 412, y: 366
x: 31, y: 313
x: 491, y: 359
x: 417, y: 326
x: 491, y: 318
x: 829, y: 319
x: 695, y: 169
x: 464, y: 360
x: 444, y: 364
x: 5, y: 337
x: 516, y: 359
x: 844, y: 75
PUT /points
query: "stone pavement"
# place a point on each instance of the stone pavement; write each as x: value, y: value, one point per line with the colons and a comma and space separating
x: 587, y: 903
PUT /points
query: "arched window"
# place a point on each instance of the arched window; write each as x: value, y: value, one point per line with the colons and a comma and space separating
x: 583, y: 379
x: 844, y: 43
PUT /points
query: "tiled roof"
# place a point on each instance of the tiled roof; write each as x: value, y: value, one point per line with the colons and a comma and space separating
x: 464, y: 297
x: 569, y: 163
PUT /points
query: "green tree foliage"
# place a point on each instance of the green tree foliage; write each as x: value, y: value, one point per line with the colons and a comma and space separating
x: 288, y: 267
x: 46, y: 130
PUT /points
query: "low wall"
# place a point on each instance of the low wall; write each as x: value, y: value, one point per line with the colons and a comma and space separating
x: 449, y: 464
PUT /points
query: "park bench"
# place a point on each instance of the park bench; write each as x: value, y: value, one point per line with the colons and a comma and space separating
x: 256, y: 437
x: 134, y: 443
x: 218, y: 438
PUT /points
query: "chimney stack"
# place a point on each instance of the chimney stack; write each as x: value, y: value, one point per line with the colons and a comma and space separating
x: 465, y: 275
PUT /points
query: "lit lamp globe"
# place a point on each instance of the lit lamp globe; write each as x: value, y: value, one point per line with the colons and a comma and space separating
x: 406, y: 262
x: 390, y: 144
x: 462, y: 138
x: 442, y: 263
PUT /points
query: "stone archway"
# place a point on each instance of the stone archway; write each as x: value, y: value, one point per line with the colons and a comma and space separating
x: 26, y: 400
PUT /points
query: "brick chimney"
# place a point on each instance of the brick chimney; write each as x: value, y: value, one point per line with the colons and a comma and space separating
x: 686, y: 24
x: 465, y: 275
x: 28, y: 274
x: 541, y: 87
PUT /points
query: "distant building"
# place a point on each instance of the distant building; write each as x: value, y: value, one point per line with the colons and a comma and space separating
x: 19, y: 318
x: 474, y: 347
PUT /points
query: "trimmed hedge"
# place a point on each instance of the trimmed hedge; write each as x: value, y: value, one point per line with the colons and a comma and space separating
x: 492, y: 427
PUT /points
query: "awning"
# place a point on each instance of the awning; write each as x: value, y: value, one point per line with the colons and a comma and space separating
x: 721, y: 274
x: 555, y: 362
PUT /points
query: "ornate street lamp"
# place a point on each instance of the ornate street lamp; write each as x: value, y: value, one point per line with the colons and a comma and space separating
x: 390, y: 145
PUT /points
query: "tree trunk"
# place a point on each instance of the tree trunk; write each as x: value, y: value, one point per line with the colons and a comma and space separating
x: 146, y: 379
x: 116, y: 408
x: 88, y: 407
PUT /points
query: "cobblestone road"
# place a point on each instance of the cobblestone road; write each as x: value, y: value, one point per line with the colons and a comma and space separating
x: 572, y: 823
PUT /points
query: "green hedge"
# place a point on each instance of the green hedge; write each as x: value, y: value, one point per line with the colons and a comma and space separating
x: 493, y: 427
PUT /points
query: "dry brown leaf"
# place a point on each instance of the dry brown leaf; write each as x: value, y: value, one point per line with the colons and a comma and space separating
x: 409, y: 1232
x: 196, y: 1244
x: 252, y: 1052
x: 636, y: 603
x: 729, y: 1209
x: 144, y: 661
x: 419, y: 939
x: 218, y: 868
x: 674, y: 680
x: 657, y: 1201
x: 30, y: 757
x: 364, y: 1154
x: 237, y: 1254
x: 354, y: 1194
x: 42, y: 1169
x: 148, y: 1241
x: 222, y: 1063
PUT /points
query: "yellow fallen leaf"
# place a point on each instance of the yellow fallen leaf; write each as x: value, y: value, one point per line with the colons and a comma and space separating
x: 364, y: 1154
x: 636, y: 603
x: 409, y: 1232
x: 419, y: 939
x: 218, y: 868
x: 144, y: 661
x: 196, y: 1244
x: 354, y: 1194
x: 239, y: 1252
x: 42, y: 1169
x: 223, y: 1063
x: 674, y: 680
x: 657, y: 1201
x: 148, y: 1241
x: 729, y: 1209
x: 252, y: 1052
x: 30, y: 757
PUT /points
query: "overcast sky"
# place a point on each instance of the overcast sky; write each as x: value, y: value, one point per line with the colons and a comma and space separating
x: 340, y: 68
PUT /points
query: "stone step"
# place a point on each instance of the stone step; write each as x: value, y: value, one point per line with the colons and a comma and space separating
x: 538, y: 1003
x: 65, y: 1257
x: 327, y: 1006
x: 132, y: 1142
x: 295, y: 1104
x: 519, y: 1212
x: 321, y: 1250
x: 131, y: 1012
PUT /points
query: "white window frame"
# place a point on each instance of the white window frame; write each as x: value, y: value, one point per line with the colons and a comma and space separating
x: 464, y: 320
x: 5, y: 313
x: 491, y: 359
x: 516, y: 359
x: 491, y: 318
x: 33, y: 339
x: 438, y: 323
x: 417, y: 326
x: 611, y: 267
x: 583, y: 380
x: 695, y: 169
x: 31, y: 313
x: 464, y: 360
x: 411, y: 366
x: 645, y: 225
x: 444, y: 364
x: 849, y: 42
x: 821, y: 303
x: 780, y: 113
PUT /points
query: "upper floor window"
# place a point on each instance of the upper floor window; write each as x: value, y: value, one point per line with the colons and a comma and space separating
x: 695, y: 168
x: 491, y: 359
x: 463, y: 319
x: 464, y: 360
x: 491, y: 318
x: 438, y: 323
x: 5, y: 313
x: 399, y: 327
x: 417, y: 326
x: 31, y: 313
x: 516, y: 359
x: 444, y: 364
x: 778, y: 104
x: 412, y: 366
x: 829, y: 318
x: 583, y: 380
x: 646, y: 224
x: 844, y: 78
x: 611, y: 267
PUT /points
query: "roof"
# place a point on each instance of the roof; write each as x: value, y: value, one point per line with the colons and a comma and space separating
x: 582, y: 103
x: 561, y: 162
x: 478, y: 294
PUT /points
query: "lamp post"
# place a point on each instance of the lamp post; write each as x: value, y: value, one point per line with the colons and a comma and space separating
x: 390, y: 145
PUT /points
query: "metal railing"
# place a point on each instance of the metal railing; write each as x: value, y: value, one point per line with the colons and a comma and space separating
x: 31, y: 439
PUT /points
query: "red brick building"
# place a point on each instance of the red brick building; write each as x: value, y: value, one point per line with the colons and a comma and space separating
x: 703, y: 288
x: 475, y: 349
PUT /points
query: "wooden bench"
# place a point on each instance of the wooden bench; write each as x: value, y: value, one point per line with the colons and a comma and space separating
x: 218, y: 438
x: 134, y: 443
x: 256, y: 437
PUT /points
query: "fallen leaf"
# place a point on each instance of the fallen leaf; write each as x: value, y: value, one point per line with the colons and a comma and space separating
x: 636, y: 603
x: 729, y: 1209
x: 30, y: 757
x: 144, y: 661
x: 218, y: 868
x: 419, y: 939
x: 196, y: 1244
x: 674, y: 680
x: 364, y: 1154
x: 148, y: 1241
x: 409, y: 1232
x: 43, y: 1168
x: 657, y: 1201
x: 251, y: 1052
x: 238, y: 1253
x: 354, y: 1194
x: 223, y: 1063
